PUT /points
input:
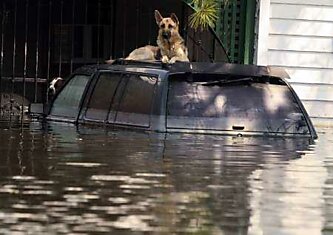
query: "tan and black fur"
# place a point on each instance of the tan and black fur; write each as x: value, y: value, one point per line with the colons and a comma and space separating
x: 146, y: 53
x: 171, y: 47
x: 169, y: 40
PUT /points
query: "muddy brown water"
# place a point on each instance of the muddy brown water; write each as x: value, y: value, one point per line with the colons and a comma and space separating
x: 61, y: 179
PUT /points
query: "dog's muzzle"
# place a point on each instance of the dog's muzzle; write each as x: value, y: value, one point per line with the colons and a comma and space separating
x: 166, y: 34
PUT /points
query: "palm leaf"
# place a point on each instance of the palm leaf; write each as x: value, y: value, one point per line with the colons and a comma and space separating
x: 205, y: 13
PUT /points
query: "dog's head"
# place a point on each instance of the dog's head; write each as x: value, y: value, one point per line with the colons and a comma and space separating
x: 168, y: 26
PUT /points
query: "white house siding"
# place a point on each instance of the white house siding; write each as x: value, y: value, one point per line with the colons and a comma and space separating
x: 298, y: 35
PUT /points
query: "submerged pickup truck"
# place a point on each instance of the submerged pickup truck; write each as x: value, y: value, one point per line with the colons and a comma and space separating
x: 208, y: 98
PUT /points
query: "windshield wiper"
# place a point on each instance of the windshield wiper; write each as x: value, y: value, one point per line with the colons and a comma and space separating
x: 226, y: 82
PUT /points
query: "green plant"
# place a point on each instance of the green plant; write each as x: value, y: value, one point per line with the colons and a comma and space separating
x: 206, y: 13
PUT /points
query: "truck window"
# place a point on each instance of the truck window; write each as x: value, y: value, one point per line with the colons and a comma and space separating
x: 135, y: 105
x: 102, y: 96
x: 239, y: 104
x: 68, y: 100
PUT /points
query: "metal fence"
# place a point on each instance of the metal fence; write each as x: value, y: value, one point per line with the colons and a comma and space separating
x: 235, y: 28
x: 43, y: 39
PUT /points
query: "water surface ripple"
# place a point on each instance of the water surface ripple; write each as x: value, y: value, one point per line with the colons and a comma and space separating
x: 60, y: 179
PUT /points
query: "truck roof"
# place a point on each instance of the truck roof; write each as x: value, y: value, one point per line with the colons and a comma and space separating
x: 190, y: 67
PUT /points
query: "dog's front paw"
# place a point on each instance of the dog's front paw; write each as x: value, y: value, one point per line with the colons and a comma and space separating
x: 172, y: 60
x: 165, y: 59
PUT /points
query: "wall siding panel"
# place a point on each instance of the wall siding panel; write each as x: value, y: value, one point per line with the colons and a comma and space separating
x: 301, y: 27
x: 302, y: 12
x: 300, y: 59
x: 298, y: 35
x: 305, y: 2
x: 319, y: 109
x: 301, y: 43
x: 310, y: 75
x: 315, y: 92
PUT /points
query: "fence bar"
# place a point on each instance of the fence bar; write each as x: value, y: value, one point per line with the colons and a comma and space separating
x: 150, y: 14
x: 193, y: 46
x: 249, y: 31
x: 218, y: 28
x: 183, y: 20
x: 138, y: 23
x: 49, y: 50
x: 85, y: 23
x: 4, y: 15
x: 14, y: 56
x: 110, y: 30
x: 37, y: 51
x: 60, y: 43
x: 86, y: 13
x: 124, y: 26
x: 25, y: 53
x: 233, y: 31
x: 98, y: 28
x: 113, y: 25
x: 226, y: 11
x: 73, y: 35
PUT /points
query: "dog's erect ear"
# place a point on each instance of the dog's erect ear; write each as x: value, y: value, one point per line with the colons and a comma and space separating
x: 158, y: 17
x: 174, y: 18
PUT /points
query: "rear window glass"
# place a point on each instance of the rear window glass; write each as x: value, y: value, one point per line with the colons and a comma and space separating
x: 243, y: 105
x: 67, y: 102
x: 135, y: 105
x: 102, y: 96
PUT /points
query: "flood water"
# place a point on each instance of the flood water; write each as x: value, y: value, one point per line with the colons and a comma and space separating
x: 59, y: 179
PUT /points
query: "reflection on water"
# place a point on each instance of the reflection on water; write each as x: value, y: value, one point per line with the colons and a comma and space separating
x: 57, y: 178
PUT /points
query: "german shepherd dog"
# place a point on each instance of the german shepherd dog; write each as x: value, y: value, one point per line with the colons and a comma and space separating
x: 171, y: 47
x: 169, y: 41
